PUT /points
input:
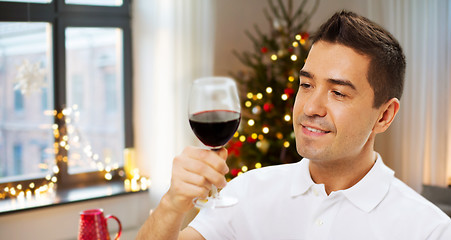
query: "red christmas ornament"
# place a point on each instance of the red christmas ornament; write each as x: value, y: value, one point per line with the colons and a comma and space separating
x: 251, y: 140
x: 268, y: 107
x: 234, y: 148
x: 290, y: 50
x: 264, y: 49
x: 289, y: 92
x: 234, y: 172
x: 305, y: 35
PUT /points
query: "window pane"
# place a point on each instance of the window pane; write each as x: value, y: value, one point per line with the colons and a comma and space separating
x: 27, y: 1
x: 96, y: 2
x: 26, y: 119
x: 95, y: 96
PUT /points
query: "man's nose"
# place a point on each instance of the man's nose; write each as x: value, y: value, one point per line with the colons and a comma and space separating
x: 315, y: 104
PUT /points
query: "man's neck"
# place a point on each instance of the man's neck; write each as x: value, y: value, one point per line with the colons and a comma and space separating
x: 341, y: 174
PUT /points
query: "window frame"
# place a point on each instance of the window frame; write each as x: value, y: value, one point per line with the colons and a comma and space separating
x: 61, y: 16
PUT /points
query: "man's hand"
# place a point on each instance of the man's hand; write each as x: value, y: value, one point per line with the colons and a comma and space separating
x: 193, y: 173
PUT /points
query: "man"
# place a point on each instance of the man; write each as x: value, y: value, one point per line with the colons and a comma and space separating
x: 349, y: 91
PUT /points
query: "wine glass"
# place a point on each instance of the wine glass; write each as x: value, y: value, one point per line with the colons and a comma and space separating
x: 214, y: 116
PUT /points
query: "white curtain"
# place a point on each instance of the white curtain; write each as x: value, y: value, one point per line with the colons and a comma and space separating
x: 418, y: 145
x: 173, y: 44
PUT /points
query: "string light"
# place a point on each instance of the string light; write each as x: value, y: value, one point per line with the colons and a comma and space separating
x: 286, y: 144
x: 248, y: 104
x: 295, y: 44
x: 250, y: 95
x: 108, y: 176
x: 47, y: 189
x: 298, y: 37
x: 29, y: 194
x: 259, y: 96
x: 287, y: 117
x: 291, y: 78
x: 251, y: 122
x: 136, y: 182
x: 284, y: 97
x: 265, y: 130
x: 21, y: 196
x: 244, y: 169
x: 274, y: 57
x: 294, y: 58
x: 258, y: 165
x: 268, y: 90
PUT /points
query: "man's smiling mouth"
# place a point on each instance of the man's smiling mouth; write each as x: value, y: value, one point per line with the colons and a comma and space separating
x: 315, y: 130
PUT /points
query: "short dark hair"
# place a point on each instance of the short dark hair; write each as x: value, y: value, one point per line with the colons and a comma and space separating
x: 387, y: 65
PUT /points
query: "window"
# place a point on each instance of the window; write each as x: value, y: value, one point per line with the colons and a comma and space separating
x: 17, y: 161
x: 45, y: 99
x: 18, y: 101
x: 111, y: 105
x: 65, y: 84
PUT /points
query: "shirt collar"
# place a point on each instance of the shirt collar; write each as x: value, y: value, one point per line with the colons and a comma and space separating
x: 372, y: 188
x: 366, y: 194
x: 302, y: 180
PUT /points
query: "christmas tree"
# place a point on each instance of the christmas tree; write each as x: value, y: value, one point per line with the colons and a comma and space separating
x: 268, y: 89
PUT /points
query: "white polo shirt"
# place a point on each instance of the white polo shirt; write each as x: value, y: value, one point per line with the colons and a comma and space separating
x: 282, y: 202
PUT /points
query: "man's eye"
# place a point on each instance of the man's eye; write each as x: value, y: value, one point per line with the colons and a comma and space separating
x: 338, y: 94
x: 305, y: 85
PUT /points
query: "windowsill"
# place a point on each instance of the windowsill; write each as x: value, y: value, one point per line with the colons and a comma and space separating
x: 66, y: 196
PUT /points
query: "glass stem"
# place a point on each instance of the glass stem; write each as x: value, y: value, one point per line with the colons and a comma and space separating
x: 214, y: 192
x: 214, y: 189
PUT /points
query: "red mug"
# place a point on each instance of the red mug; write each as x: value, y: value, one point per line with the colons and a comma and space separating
x: 93, y: 225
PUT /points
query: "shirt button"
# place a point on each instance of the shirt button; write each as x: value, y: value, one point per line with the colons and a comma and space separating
x: 315, y: 192
x: 319, y: 222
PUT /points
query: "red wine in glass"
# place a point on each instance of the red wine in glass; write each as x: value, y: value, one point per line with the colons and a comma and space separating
x: 216, y: 127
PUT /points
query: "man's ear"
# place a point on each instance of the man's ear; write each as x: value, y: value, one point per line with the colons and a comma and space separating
x: 387, y: 114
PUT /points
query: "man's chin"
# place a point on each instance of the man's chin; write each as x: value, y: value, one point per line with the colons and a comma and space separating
x: 310, y: 153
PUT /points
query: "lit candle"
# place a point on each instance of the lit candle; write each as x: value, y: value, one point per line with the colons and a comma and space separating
x: 129, y: 162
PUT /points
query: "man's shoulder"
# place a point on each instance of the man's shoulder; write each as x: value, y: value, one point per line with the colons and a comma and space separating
x: 406, y: 214
x: 414, y: 204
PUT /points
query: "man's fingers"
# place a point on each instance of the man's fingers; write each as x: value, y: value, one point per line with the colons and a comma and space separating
x: 205, y: 174
x: 196, y: 179
x: 214, y: 159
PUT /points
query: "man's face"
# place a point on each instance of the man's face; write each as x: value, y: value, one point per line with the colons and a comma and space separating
x: 333, y: 116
